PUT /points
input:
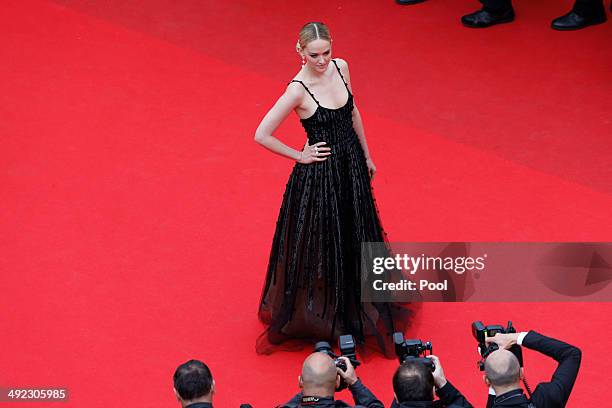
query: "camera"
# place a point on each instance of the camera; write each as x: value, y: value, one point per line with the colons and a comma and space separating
x: 481, y: 332
x: 346, y: 344
x: 412, y: 349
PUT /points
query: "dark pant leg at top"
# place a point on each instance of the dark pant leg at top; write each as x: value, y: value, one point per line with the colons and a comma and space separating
x: 495, y: 6
x: 588, y: 8
x: 585, y: 8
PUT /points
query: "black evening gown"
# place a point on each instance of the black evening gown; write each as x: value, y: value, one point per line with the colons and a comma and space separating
x: 312, y: 288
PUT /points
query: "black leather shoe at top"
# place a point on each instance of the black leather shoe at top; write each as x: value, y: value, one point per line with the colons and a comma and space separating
x: 484, y: 18
x: 574, y: 21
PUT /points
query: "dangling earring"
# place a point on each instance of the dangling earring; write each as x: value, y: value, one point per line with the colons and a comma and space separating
x: 298, y: 49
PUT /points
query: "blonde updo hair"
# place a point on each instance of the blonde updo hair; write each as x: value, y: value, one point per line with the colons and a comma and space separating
x: 310, y: 32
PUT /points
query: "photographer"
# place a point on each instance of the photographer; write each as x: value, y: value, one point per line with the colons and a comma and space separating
x: 503, y: 373
x: 319, y: 380
x: 414, y: 384
x: 193, y: 385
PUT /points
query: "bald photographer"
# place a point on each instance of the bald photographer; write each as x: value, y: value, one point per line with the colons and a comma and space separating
x: 321, y: 377
x: 503, y: 371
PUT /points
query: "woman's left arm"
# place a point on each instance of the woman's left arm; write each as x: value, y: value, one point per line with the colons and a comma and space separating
x: 357, y: 122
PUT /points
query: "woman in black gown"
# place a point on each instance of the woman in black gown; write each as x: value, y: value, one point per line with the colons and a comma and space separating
x: 312, y: 288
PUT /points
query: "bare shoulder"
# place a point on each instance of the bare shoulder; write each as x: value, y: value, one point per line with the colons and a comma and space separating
x: 341, y: 63
x: 343, y: 66
x: 294, y: 91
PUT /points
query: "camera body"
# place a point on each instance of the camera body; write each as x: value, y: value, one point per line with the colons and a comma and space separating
x: 412, y: 349
x: 346, y: 344
x: 481, y: 332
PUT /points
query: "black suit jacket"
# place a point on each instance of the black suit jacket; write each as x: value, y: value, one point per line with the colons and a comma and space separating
x: 550, y: 394
x: 361, y: 394
x: 449, y: 396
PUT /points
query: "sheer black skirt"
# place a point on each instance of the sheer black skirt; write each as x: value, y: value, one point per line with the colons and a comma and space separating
x: 312, y: 290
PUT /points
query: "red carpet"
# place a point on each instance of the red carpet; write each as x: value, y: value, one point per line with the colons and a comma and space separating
x: 137, y: 212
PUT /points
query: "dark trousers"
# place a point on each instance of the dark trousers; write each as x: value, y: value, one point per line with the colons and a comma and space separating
x: 582, y: 7
x: 494, y: 6
x: 589, y: 8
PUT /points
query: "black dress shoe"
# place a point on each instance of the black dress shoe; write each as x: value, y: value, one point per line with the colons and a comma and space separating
x: 407, y: 2
x: 484, y: 18
x: 574, y: 21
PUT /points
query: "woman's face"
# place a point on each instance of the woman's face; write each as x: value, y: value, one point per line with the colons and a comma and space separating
x: 317, y: 54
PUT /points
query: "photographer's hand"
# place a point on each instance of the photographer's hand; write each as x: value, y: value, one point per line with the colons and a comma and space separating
x: 349, y: 376
x: 438, y: 373
x: 503, y: 340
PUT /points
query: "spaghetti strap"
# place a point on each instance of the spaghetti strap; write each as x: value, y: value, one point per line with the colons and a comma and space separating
x: 307, y: 90
x: 341, y: 76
